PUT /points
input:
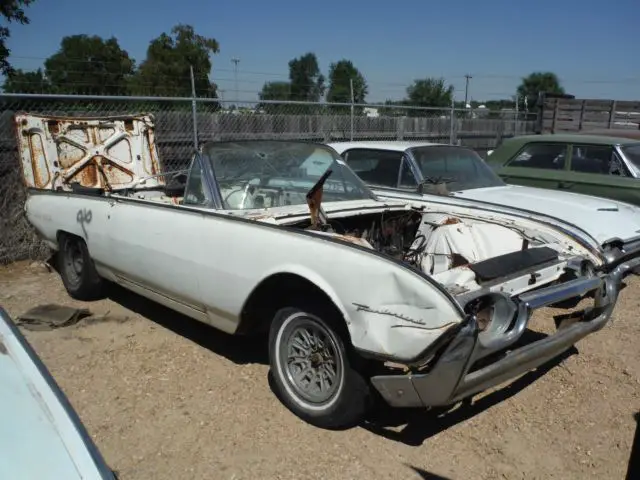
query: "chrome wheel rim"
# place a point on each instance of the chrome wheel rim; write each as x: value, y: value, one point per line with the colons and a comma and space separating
x: 311, y: 360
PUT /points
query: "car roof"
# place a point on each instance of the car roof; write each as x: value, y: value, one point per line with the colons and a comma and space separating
x: 574, y: 138
x: 393, y: 145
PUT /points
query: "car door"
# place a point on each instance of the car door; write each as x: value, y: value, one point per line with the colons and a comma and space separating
x: 598, y: 170
x: 538, y: 164
x: 380, y: 168
x: 158, y: 247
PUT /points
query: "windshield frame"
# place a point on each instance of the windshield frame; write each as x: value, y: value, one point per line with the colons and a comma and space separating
x: 341, y: 173
x: 411, y: 153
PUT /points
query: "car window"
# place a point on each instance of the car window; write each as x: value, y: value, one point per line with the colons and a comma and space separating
x: 548, y: 156
x: 460, y: 168
x: 598, y: 159
x: 375, y: 167
x: 407, y: 177
x: 196, y: 192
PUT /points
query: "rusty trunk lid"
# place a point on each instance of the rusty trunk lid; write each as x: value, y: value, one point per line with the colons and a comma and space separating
x: 110, y: 153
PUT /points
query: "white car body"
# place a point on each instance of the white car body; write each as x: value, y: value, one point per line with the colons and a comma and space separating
x: 225, y: 250
x: 605, y: 221
x: 42, y: 436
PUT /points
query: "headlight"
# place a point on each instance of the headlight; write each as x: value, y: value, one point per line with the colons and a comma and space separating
x: 494, y: 313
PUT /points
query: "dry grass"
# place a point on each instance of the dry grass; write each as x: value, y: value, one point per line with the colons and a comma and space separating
x: 167, y: 398
x: 18, y: 240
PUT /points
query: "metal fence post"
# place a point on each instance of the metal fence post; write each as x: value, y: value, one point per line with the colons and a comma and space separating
x: 352, y: 106
x: 453, y: 119
x: 193, y: 109
x: 515, y: 125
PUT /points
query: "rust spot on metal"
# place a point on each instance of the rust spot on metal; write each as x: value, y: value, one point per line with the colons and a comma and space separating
x: 54, y: 127
x: 89, y: 175
x: 3, y: 349
x: 128, y: 125
x: 451, y: 221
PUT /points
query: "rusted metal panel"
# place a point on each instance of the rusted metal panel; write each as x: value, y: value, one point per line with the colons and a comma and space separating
x: 96, y: 152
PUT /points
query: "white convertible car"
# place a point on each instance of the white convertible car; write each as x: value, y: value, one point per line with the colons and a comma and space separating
x: 399, y: 169
x: 357, y: 297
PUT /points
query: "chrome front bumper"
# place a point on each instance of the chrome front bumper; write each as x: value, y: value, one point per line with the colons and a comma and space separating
x: 450, y: 379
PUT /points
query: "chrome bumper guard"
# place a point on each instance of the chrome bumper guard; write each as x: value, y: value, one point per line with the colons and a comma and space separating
x: 450, y: 381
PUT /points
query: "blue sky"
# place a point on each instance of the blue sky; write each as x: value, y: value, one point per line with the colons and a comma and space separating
x: 590, y: 44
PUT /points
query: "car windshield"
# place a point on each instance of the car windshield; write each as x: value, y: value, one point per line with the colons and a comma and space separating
x: 632, y: 152
x: 266, y: 174
x: 460, y: 168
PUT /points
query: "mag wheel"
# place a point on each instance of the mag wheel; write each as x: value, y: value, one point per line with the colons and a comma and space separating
x: 311, y: 370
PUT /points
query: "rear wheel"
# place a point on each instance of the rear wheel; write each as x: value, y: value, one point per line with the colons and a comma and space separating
x: 77, y: 270
x: 312, y: 371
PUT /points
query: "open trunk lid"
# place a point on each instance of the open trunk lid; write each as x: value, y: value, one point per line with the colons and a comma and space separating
x: 110, y: 153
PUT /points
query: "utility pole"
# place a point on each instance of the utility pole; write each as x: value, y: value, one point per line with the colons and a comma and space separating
x: 235, y: 62
x: 466, y: 89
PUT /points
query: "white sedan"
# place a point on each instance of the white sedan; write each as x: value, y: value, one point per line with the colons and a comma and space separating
x: 455, y: 175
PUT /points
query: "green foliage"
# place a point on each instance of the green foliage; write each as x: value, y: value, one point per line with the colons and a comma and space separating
x: 277, y: 90
x: 166, y: 69
x: 533, y: 84
x: 12, y: 11
x: 19, y: 81
x: 307, y: 83
x: 430, y: 92
x: 340, y: 76
x: 89, y: 65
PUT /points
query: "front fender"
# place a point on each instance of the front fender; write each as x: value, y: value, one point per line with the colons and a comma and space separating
x: 390, y: 310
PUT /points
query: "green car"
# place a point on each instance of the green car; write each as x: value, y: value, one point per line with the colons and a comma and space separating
x: 597, y: 165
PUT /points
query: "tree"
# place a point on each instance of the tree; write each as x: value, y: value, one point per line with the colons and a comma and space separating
x: 430, y: 92
x: 12, y: 11
x: 535, y: 83
x: 340, y: 76
x: 275, y: 91
x: 87, y: 64
x: 307, y: 83
x: 19, y: 81
x: 166, y: 69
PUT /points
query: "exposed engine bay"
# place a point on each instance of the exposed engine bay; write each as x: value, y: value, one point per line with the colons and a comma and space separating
x: 463, y: 254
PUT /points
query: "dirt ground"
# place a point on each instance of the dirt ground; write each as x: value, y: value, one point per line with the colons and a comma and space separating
x: 165, y: 397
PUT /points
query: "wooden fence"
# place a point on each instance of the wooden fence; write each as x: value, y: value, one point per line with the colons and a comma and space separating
x: 573, y: 115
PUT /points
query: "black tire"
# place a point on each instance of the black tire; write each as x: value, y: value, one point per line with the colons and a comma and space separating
x: 77, y: 270
x: 349, y: 397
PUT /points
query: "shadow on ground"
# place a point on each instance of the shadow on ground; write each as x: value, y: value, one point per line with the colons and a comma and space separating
x: 238, y: 349
x: 425, y: 475
x: 418, y: 425
x: 633, y: 470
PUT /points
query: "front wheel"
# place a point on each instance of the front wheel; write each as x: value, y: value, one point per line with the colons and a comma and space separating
x: 312, y: 372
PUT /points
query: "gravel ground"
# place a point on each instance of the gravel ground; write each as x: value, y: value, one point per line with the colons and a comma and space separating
x: 165, y: 397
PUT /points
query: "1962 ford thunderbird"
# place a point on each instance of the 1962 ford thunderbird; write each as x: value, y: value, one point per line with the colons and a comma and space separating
x: 281, y: 237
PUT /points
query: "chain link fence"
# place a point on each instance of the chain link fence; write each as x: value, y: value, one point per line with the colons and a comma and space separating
x: 182, y: 124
